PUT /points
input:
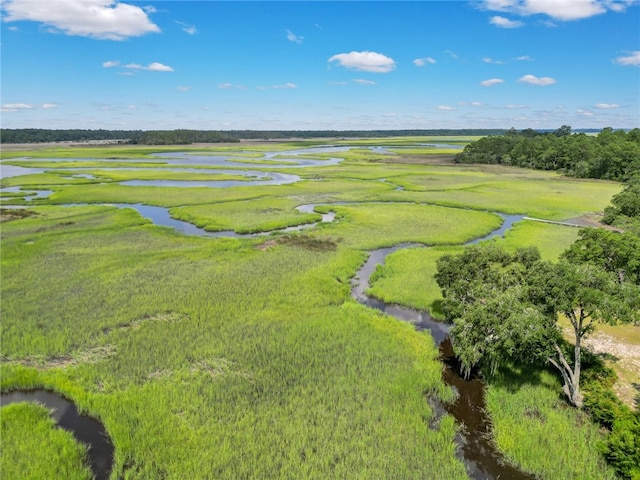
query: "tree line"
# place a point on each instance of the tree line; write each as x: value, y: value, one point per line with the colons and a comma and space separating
x: 142, y: 137
x: 611, y: 154
x: 185, y: 137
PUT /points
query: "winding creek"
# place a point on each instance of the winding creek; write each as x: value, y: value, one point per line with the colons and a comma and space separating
x: 475, y: 447
x: 85, y: 429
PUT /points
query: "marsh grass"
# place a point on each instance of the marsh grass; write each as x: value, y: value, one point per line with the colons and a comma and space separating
x: 153, y: 174
x: 408, y: 141
x: 536, y: 429
x: 408, y: 223
x: 271, y: 391
x: 43, y: 451
x: 407, y: 278
x: 218, y: 358
x: 259, y: 215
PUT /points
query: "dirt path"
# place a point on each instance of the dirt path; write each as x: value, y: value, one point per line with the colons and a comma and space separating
x: 624, y: 358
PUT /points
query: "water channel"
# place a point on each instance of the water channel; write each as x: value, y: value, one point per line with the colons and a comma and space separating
x: 476, y: 449
x: 475, y: 445
x: 86, y: 430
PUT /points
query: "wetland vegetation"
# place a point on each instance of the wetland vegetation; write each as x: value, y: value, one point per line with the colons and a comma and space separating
x: 247, y: 357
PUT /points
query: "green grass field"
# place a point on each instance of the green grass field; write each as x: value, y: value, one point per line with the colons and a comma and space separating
x: 246, y: 357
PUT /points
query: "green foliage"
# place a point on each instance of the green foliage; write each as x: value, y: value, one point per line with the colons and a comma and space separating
x: 621, y: 446
x: 161, y: 137
x: 486, y: 296
x: 609, y: 155
x: 624, y: 211
x: 180, y: 137
x: 622, y: 449
x: 615, y: 252
x: 505, y: 307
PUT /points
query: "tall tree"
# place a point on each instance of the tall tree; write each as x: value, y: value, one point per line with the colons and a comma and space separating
x: 506, y: 307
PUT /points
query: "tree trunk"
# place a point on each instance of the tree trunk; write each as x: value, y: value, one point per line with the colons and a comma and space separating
x: 571, y: 381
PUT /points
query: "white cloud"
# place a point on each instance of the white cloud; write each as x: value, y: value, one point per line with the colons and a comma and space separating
x: 365, y: 61
x: 512, y: 106
x: 110, y: 63
x: 523, y: 58
x: 633, y: 59
x: 49, y: 105
x: 266, y: 87
x: 15, y: 107
x: 499, y: 5
x: 584, y: 113
x: 563, y: 10
x: 99, y: 19
x: 445, y: 108
x: 338, y: 83
x: 362, y: 81
x: 153, y: 67
x: 477, y: 104
x: 491, y: 81
x: 293, y: 37
x: 190, y: 29
x: 503, y: 22
x: 228, y: 85
x: 421, y: 62
x: 606, y: 105
x: 492, y: 61
x: 183, y: 88
x: 540, y: 81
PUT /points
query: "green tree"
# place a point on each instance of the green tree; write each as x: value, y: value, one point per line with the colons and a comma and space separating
x: 584, y: 294
x: 505, y: 307
x: 624, y: 210
x: 615, y: 252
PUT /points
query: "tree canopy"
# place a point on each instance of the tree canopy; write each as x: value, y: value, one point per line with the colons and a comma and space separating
x: 505, y: 307
x: 612, y: 155
x: 624, y: 211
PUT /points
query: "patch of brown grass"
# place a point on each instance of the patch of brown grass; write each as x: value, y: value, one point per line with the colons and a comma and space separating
x: 8, y: 214
x: 92, y: 355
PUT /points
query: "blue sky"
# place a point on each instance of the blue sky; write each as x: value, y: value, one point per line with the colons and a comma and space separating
x: 305, y: 65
